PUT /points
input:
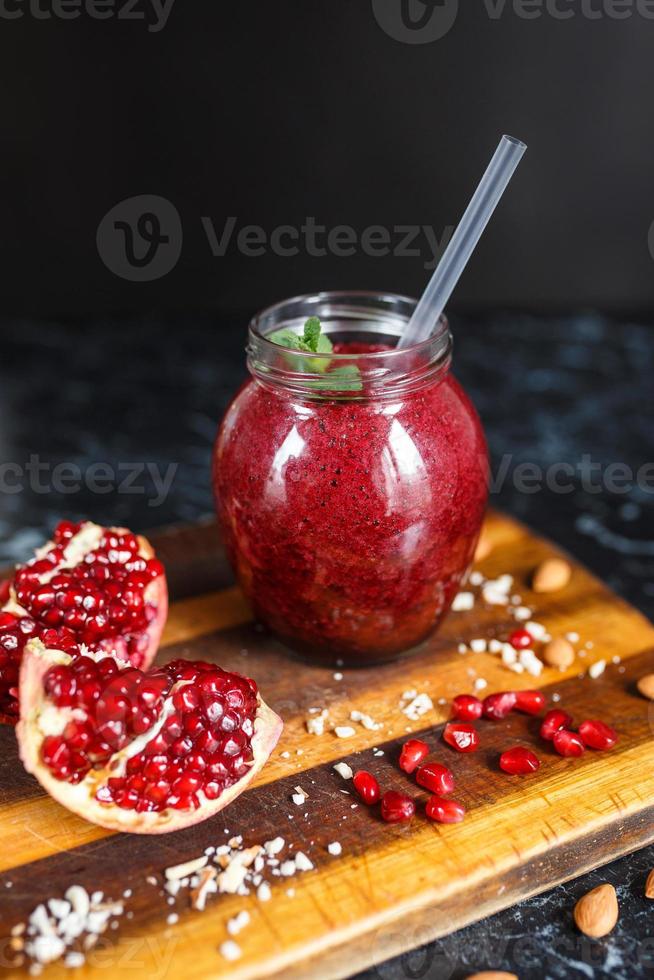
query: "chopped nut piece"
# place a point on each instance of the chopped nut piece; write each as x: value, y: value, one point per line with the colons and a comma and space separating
x: 597, y: 669
x: 230, y: 950
x: 186, y: 869
x: 463, y: 601
x: 205, y: 886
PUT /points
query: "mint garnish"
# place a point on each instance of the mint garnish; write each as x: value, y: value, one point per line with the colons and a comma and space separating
x: 345, y: 377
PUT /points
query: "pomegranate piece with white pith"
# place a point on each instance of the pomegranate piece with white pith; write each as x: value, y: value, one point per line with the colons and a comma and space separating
x: 101, y: 587
x: 15, y: 633
x: 103, y: 584
x: 136, y: 751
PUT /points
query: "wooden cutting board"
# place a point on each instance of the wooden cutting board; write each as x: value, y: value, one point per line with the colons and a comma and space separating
x: 393, y: 887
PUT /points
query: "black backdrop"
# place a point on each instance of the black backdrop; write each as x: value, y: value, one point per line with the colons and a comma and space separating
x: 272, y: 111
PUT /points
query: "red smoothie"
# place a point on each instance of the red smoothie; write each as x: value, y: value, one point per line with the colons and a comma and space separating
x: 351, y: 516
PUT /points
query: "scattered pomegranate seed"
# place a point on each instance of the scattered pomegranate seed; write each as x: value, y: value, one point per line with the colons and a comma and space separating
x: 553, y: 722
x: 396, y: 807
x: 498, y: 706
x: 466, y: 707
x: 521, y: 639
x: 463, y: 738
x: 519, y: 761
x: 412, y: 754
x: 568, y: 744
x: 530, y: 702
x: 596, y: 734
x: 367, y: 787
x: 444, y: 811
x: 436, y: 778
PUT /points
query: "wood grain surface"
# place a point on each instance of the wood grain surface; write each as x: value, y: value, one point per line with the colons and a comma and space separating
x: 393, y: 887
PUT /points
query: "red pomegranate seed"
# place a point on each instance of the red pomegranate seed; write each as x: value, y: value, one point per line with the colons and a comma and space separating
x: 553, y: 721
x: 366, y: 786
x: 530, y: 702
x: 568, y: 744
x: 412, y: 754
x: 436, y: 778
x: 463, y: 738
x: 498, y: 706
x: 521, y: 639
x: 444, y: 811
x: 466, y: 707
x: 596, y: 734
x: 396, y: 808
x: 519, y: 761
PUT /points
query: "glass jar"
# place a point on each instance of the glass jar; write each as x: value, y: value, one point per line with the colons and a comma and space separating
x: 350, y: 486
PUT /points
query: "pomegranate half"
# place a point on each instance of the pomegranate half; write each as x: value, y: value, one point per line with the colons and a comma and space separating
x: 142, y: 752
x: 98, y: 586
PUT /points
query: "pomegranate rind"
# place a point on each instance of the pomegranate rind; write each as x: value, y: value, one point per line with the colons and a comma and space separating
x: 80, y: 798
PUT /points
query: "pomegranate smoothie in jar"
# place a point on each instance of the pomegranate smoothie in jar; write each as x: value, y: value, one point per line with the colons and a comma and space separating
x: 350, y: 477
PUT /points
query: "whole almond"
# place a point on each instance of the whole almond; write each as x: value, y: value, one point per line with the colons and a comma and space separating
x: 559, y: 652
x: 597, y: 912
x: 551, y: 575
x: 646, y: 686
x: 492, y: 975
x: 649, y: 885
x: 484, y: 544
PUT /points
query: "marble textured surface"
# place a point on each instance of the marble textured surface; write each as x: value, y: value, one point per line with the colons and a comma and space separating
x: 143, y: 397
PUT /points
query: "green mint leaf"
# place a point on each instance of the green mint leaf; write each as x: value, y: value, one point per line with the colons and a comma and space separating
x: 312, y: 333
x: 285, y: 338
x: 346, y: 377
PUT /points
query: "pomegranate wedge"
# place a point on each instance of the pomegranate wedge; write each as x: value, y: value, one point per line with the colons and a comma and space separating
x: 104, y: 585
x: 98, y: 586
x: 142, y: 752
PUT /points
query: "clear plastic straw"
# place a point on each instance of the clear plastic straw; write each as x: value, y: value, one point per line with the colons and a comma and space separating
x: 463, y: 241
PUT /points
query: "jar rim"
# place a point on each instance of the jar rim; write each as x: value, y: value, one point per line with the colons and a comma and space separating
x: 341, y: 297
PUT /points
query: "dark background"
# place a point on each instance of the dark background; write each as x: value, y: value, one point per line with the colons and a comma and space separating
x: 274, y: 110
